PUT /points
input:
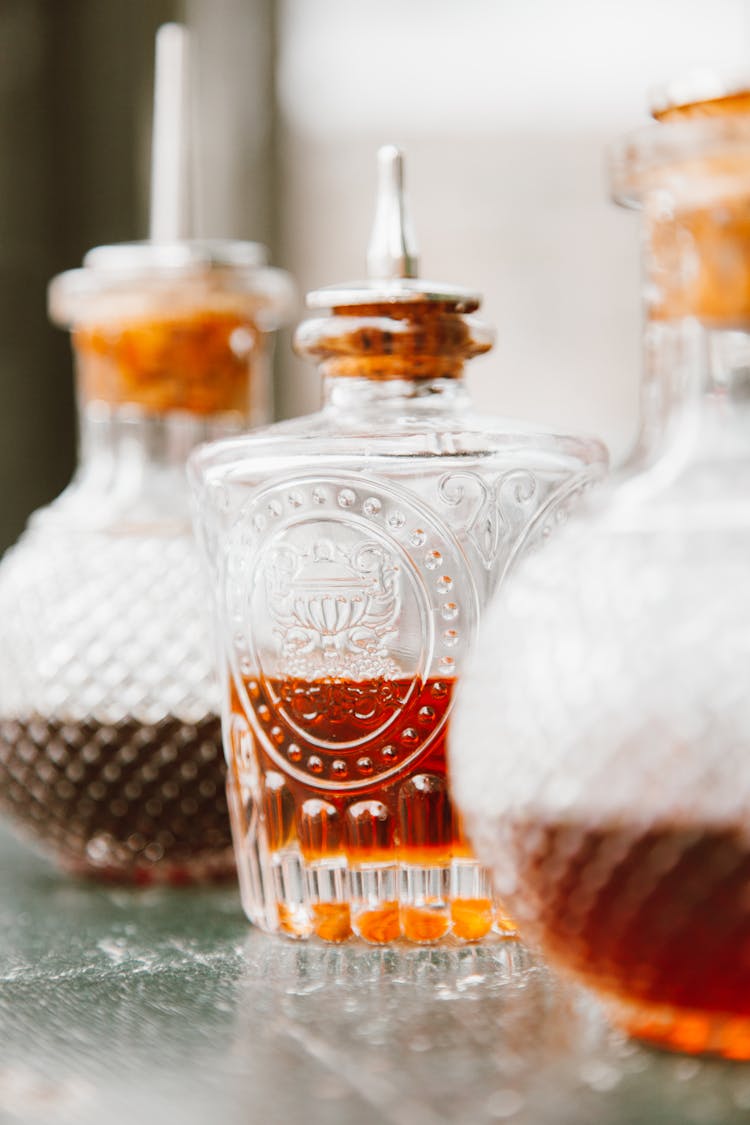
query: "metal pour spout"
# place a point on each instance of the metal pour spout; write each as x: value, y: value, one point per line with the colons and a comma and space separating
x: 170, y: 146
x: 392, y: 250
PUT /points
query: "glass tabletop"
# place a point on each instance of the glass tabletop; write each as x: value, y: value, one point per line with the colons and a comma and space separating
x: 156, y: 1005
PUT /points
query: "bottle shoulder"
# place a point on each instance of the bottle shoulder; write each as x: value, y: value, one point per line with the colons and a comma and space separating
x: 398, y: 439
x: 92, y: 505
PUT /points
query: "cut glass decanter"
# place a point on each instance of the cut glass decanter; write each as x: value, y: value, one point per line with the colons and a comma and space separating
x: 599, y: 751
x: 110, y: 747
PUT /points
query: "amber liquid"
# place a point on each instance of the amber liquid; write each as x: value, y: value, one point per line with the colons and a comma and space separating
x: 122, y: 801
x: 376, y: 750
x: 341, y: 711
x: 658, y: 920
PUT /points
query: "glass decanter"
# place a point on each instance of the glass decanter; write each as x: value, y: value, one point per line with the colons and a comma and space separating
x: 352, y: 552
x: 599, y: 750
x: 110, y: 745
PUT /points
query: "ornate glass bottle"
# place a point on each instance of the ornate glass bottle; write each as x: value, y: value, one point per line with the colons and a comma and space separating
x: 352, y: 553
x: 110, y: 748
x: 608, y: 783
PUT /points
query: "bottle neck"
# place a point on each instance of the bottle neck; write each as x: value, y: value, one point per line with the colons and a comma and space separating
x: 356, y: 397
x: 149, y: 391
x: 695, y: 397
x: 132, y: 463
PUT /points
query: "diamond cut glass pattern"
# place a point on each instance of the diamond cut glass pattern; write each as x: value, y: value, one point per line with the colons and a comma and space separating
x: 607, y: 781
x: 110, y: 736
x: 110, y: 752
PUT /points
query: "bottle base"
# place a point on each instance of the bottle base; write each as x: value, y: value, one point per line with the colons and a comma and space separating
x: 378, y: 903
x: 218, y: 867
x: 337, y: 925
x: 122, y: 802
x: 687, y: 1030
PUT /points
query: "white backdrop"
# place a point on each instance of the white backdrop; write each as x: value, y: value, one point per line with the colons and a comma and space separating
x: 505, y: 108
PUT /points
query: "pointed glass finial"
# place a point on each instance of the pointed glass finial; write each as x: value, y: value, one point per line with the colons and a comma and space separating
x: 392, y: 251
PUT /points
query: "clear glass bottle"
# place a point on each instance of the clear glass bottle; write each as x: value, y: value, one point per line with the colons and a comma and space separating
x: 110, y: 748
x: 352, y: 553
x: 607, y: 782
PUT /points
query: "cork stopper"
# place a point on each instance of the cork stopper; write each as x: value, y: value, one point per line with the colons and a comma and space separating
x: 691, y: 175
x: 393, y: 325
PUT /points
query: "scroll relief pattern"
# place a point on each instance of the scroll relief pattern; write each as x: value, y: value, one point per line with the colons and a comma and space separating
x: 494, y: 511
x: 512, y: 511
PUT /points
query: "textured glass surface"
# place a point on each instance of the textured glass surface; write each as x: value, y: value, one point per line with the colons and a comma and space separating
x: 110, y: 740
x: 110, y: 751
x: 606, y: 780
x: 120, y: 1005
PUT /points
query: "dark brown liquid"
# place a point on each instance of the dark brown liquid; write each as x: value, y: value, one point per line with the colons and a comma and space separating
x: 658, y: 918
x: 121, y: 801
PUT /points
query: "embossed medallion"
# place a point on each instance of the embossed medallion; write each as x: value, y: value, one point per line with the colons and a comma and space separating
x: 345, y: 596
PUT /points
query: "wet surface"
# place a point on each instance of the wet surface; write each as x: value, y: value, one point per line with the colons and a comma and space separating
x: 123, y: 1005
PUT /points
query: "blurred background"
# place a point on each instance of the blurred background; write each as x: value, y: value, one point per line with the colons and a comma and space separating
x: 505, y: 108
